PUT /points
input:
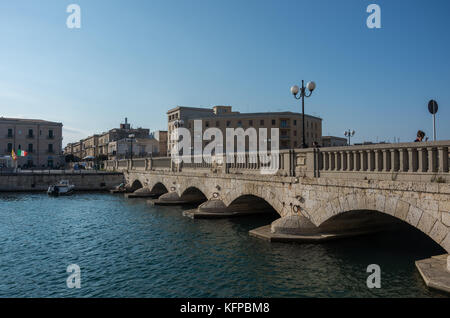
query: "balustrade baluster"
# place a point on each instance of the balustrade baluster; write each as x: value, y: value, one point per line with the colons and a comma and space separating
x: 432, y: 159
x: 349, y: 160
x: 443, y: 159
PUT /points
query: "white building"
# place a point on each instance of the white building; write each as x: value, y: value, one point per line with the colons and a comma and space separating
x: 142, y: 147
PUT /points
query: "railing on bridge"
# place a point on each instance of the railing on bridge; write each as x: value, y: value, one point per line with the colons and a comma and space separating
x: 421, y: 160
x: 425, y: 161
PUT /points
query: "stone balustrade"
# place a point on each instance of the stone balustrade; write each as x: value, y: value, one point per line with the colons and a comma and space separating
x: 426, y: 162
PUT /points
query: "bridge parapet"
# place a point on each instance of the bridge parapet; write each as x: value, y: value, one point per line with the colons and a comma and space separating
x: 423, y: 162
x: 418, y: 162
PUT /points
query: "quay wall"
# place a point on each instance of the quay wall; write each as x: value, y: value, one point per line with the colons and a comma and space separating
x: 41, y: 181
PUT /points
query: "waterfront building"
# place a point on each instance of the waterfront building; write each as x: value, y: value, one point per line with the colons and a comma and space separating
x: 161, y: 136
x: 41, y: 139
x: 97, y: 145
x: 222, y: 117
x: 141, y: 147
x: 89, y: 146
x: 333, y: 141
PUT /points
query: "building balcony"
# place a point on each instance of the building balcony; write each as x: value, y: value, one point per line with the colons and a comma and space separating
x: 284, y: 137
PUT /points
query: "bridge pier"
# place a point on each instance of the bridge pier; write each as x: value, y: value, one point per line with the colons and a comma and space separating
x: 298, y: 228
x: 143, y: 193
x: 216, y: 208
x: 435, y: 272
x: 172, y: 198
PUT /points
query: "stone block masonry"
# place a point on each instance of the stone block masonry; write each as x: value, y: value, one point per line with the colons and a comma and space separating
x: 40, y: 181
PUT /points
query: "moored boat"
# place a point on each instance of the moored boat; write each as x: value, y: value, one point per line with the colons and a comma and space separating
x: 63, y: 187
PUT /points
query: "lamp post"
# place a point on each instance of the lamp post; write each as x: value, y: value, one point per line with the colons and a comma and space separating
x: 349, y: 133
x: 131, y: 136
x: 300, y: 93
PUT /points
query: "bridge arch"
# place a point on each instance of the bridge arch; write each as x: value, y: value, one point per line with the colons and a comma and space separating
x: 158, y: 188
x: 136, y: 184
x: 268, y: 195
x: 201, y: 187
x: 193, y: 194
x: 251, y: 203
x: 393, y: 206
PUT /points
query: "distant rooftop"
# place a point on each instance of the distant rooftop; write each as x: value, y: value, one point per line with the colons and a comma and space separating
x: 26, y: 120
x: 209, y: 113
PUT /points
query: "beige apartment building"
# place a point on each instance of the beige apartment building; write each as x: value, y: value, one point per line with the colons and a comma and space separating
x: 97, y: 144
x: 41, y: 139
x: 333, y: 141
x: 222, y: 117
x: 89, y: 146
x: 161, y: 137
x: 141, y: 148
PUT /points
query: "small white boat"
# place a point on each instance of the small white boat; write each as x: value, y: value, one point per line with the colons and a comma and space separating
x: 62, y: 188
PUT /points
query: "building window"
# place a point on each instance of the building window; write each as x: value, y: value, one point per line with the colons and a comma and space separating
x: 9, y: 147
x: 284, y: 123
x: 207, y: 124
x: 50, y: 163
x: 50, y: 148
x: 261, y: 122
x: 30, y: 147
x: 228, y: 123
x: 295, y: 132
x: 50, y: 134
x: 30, y: 133
x: 273, y: 122
x: 240, y: 123
x: 250, y: 122
x: 217, y: 123
x: 10, y: 134
x: 295, y: 122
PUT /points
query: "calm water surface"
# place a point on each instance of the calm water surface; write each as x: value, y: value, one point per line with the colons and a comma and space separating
x: 126, y: 248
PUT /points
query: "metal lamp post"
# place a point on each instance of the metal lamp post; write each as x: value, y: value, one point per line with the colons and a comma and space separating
x: 349, y: 133
x: 300, y: 93
x: 131, y: 136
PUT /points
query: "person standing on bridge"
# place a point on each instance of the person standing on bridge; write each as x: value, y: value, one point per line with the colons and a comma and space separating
x: 420, y: 136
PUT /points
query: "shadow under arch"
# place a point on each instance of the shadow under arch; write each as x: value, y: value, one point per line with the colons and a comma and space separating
x: 136, y: 185
x: 384, y: 228
x: 158, y: 189
x: 250, y: 203
x: 364, y: 222
x: 193, y: 194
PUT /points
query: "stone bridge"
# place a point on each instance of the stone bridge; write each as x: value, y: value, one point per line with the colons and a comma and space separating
x: 318, y: 193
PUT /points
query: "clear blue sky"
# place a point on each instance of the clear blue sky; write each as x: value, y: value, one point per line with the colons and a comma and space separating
x: 140, y: 58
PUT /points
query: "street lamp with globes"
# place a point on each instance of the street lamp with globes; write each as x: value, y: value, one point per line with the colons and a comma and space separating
x: 349, y: 133
x: 300, y: 93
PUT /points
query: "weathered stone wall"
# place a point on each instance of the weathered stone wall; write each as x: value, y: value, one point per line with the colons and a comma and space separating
x: 425, y: 206
x: 40, y: 182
